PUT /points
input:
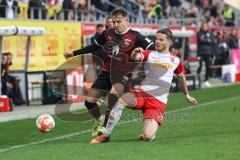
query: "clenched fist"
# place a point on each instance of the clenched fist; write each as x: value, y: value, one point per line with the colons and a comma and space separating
x: 137, y: 54
x: 68, y: 55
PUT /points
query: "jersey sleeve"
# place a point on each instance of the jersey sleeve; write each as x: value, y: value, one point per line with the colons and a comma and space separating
x: 101, y: 40
x: 145, y: 54
x: 180, y: 69
x: 145, y: 43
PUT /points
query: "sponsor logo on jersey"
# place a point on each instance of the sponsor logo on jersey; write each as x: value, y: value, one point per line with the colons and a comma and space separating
x: 162, y: 64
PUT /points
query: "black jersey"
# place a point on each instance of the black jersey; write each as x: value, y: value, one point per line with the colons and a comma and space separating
x: 114, y: 43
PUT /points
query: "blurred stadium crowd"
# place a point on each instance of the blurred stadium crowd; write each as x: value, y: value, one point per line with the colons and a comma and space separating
x: 213, y: 11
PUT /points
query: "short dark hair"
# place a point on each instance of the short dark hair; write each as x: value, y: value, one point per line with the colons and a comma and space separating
x: 119, y: 11
x: 167, y: 32
x: 7, y: 54
x: 99, y: 26
x: 109, y: 17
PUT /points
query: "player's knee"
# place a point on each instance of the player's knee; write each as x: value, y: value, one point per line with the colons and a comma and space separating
x: 149, y: 133
x: 124, y: 103
x: 149, y: 136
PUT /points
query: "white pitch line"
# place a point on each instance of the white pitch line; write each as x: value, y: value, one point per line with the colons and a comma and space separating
x: 205, y: 104
x: 44, y: 141
x: 125, y: 122
x: 54, y: 139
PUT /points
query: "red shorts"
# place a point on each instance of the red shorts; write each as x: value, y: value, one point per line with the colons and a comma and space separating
x: 151, y: 107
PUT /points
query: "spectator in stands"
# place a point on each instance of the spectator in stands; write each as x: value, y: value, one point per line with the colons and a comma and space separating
x: 11, y: 86
x: 175, y: 3
x: 9, y: 9
x: 206, y: 14
x: 85, y: 12
x: 166, y: 8
x: 216, y: 10
x: 102, y: 5
x: 205, y: 51
x: 216, y: 42
x: 7, y: 87
x: 232, y: 40
x: 99, y: 30
x: 178, y: 12
x: 206, y: 3
x: 127, y: 5
x: 109, y: 22
x: 15, y: 81
x: 197, y: 3
x: 224, y: 37
x: 156, y: 11
x: 37, y: 9
x: 53, y: 9
x: 178, y: 51
x: 192, y: 12
x: 228, y: 15
x: 217, y: 52
x: 146, y: 10
x: 212, y: 22
x: 221, y: 54
x: 82, y: 10
x: 68, y: 9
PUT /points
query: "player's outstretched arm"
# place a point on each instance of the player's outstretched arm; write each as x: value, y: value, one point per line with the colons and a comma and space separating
x: 137, y: 54
x: 88, y: 49
x: 183, y: 84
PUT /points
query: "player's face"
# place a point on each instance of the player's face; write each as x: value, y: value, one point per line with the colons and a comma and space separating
x: 120, y: 23
x: 100, y: 30
x: 4, y: 59
x: 109, y: 23
x: 9, y: 59
x: 162, y: 43
x: 205, y: 26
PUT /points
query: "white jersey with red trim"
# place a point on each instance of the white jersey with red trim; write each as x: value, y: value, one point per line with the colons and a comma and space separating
x: 159, y: 70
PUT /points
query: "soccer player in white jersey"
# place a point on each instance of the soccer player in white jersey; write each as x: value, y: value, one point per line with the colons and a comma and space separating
x: 152, y: 96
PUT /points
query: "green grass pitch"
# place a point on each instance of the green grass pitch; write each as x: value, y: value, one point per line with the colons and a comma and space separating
x: 209, y: 131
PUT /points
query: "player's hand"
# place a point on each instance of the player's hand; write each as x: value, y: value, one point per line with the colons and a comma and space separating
x: 191, y: 100
x: 137, y: 54
x: 68, y: 55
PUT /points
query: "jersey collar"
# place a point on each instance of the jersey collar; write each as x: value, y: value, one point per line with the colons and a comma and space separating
x: 122, y: 32
x: 168, y: 53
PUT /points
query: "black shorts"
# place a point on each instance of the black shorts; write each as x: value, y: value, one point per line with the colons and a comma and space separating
x: 103, y: 82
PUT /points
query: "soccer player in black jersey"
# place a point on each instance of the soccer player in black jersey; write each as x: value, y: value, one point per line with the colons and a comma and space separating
x: 119, y: 40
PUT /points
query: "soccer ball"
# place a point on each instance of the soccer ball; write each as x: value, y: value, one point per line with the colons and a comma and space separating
x: 45, y: 123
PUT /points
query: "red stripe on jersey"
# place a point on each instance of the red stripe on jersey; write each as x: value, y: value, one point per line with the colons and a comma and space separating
x: 180, y: 68
x: 145, y: 55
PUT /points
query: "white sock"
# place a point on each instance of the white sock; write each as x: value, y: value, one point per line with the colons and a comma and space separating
x: 113, y: 119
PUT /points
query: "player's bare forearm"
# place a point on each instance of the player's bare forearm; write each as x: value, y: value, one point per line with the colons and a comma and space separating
x: 183, y: 84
